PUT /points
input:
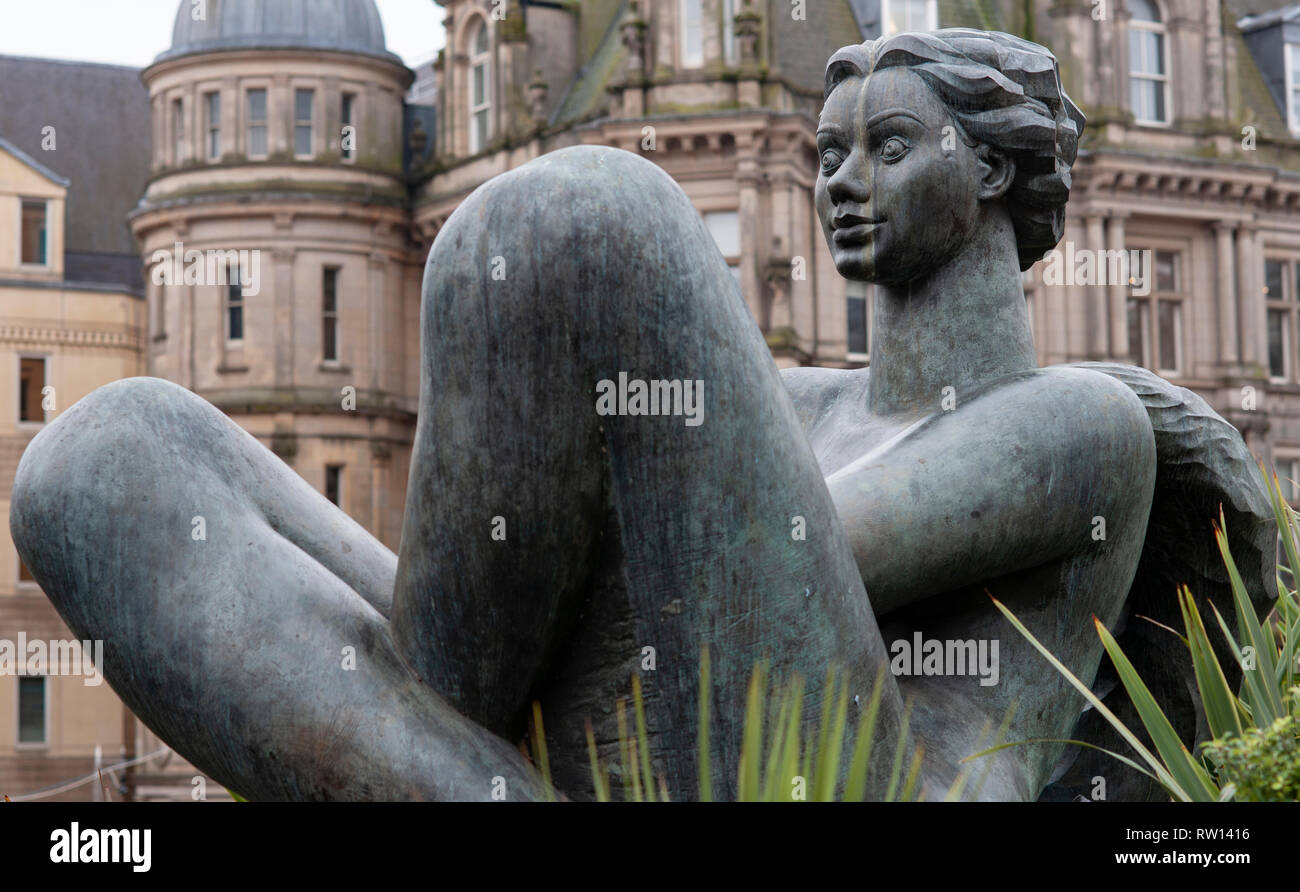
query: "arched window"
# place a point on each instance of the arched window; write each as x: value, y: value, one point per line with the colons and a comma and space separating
x: 692, y: 19
x: 1148, y: 67
x: 480, y: 89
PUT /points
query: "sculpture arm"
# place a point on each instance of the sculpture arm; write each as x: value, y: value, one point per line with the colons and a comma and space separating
x: 1026, y: 471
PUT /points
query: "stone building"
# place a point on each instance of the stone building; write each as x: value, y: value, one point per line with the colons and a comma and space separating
x: 73, y: 160
x: 287, y: 176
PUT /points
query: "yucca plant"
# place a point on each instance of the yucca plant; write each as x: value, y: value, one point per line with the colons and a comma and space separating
x: 1254, y: 749
x: 776, y: 763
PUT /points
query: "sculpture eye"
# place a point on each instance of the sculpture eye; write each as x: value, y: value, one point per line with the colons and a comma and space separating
x: 831, y: 160
x: 894, y: 149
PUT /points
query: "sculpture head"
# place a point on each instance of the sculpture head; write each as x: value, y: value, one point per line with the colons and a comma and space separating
x: 925, y: 139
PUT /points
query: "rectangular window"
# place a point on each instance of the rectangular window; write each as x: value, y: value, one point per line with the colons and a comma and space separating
x: 1138, y: 333
x: 178, y: 131
x: 1277, y: 343
x: 729, y: 50
x: 1274, y: 272
x: 302, y: 122
x: 1170, y: 319
x: 348, y: 139
x: 1293, y: 86
x: 692, y: 36
x: 213, y: 101
x: 1147, y: 78
x: 234, y: 305
x: 35, y: 235
x: 898, y: 16
x: 858, y: 321
x: 257, y: 123
x: 31, y: 381
x: 1289, y: 471
x: 330, y: 315
x: 31, y: 709
x: 334, y: 483
x: 480, y: 131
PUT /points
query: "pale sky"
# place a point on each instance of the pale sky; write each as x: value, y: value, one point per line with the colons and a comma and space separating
x: 132, y: 32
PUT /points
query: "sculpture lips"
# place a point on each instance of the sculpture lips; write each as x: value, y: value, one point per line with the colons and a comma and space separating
x: 855, y: 234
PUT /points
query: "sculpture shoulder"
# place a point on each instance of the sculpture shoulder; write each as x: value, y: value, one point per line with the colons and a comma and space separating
x: 818, y: 392
x: 1088, y: 407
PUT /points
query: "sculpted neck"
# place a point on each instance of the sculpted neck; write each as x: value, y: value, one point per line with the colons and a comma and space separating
x: 959, y: 327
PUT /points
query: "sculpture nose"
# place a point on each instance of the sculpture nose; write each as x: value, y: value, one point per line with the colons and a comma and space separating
x: 851, y: 183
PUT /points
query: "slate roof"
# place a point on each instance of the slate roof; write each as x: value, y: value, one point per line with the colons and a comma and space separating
x: 102, y: 130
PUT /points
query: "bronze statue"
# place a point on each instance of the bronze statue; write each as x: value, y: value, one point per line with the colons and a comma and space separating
x: 550, y: 544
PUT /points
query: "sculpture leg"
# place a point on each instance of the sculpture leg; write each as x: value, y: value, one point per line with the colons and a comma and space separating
x: 230, y: 596
x: 551, y: 551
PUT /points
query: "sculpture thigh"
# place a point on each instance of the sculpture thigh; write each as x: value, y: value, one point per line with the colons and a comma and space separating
x: 226, y: 592
x: 550, y: 551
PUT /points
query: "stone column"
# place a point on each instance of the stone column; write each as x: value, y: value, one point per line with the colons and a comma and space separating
x: 282, y: 301
x: 1229, y: 355
x: 747, y: 177
x: 1254, y: 349
x: 377, y: 268
x: 232, y: 141
x: 1118, y: 290
x: 279, y: 116
x: 1096, y: 293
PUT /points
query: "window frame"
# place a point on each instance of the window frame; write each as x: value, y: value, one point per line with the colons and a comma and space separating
x: 44, y: 742
x: 1286, y: 304
x: 309, y: 123
x: 28, y: 424
x: 337, y: 468
x: 684, y: 16
x: 212, y: 129
x: 45, y: 235
x: 477, y: 142
x: 250, y: 125
x: 1289, y: 53
x: 330, y: 316
x: 1149, y: 314
x: 931, y: 16
x: 1161, y: 32
x: 347, y: 117
x: 178, y: 131
x: 234, y: 299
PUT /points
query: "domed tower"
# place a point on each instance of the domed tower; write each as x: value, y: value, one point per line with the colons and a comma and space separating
x: 282, y: 285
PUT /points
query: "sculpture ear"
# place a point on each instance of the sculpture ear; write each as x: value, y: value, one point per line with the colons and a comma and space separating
x: 997, y: 172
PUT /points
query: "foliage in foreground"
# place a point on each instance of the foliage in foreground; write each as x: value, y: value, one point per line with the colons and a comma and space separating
x: 1255, y: 753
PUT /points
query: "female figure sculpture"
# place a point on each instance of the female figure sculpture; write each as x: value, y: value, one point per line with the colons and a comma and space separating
x: 547, y: 546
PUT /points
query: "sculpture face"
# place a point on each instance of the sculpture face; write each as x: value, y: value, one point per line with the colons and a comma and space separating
x: 897, y: 193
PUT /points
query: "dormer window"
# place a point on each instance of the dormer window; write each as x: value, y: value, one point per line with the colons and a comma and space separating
x: 692, y: 17
x: 901, y: 16
x: 35, y: 232
x: 1148, y: 69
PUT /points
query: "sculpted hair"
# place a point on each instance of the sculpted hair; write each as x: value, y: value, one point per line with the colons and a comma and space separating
x: 1004, y: 92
